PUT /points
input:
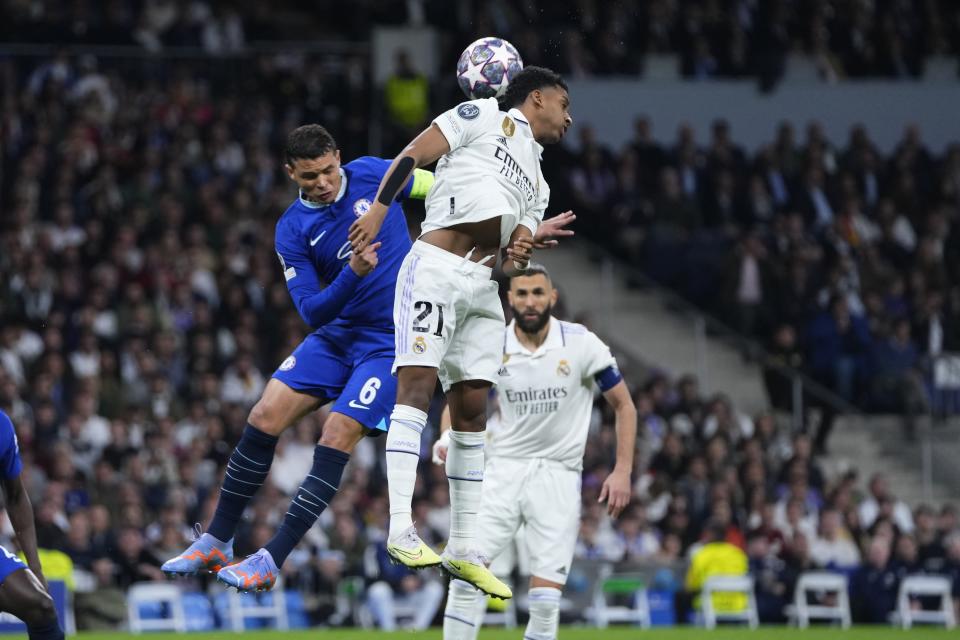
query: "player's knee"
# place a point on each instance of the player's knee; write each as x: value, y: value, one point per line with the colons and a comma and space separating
x: 38, y: 609
x: 265, y: 417
x: 470, y: 423
x: 341, y: 435
x: 415, y: 387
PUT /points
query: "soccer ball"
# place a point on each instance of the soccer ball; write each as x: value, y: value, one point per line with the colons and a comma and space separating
x: 486, y: 67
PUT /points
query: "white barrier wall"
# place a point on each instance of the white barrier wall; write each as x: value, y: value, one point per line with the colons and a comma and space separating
x: 610, y: 107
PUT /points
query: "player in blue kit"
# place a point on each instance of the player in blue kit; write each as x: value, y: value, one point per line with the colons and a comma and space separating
x: 22, y: 586
x: 347, y: 298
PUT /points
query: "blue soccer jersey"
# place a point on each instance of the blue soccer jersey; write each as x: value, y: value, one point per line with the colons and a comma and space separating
x: 349, y: 355
x: 311, y: 241
x: 10, y: 467
x: 10, y: 464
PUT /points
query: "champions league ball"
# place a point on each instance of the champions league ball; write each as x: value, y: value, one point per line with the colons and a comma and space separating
x: 486, y: 68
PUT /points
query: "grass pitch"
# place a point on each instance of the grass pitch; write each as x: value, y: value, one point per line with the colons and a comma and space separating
x: 566, y: 633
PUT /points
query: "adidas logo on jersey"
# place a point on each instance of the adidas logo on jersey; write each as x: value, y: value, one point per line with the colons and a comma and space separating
x: 503, y: 372
x: 502, y: 140
x: 562, y: 571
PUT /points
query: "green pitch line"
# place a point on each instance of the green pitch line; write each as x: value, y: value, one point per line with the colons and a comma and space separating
x: 567, y: 633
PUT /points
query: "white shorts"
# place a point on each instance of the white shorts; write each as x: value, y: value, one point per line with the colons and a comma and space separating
x: 448, y: 316
x: 544, y: 496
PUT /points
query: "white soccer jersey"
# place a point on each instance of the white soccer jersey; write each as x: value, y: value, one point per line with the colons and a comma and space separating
x: 546, y: 397
x: 492, y: 169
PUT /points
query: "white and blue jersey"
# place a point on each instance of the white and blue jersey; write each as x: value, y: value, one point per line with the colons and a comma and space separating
x: 349, y: 355
x: 10, y: 467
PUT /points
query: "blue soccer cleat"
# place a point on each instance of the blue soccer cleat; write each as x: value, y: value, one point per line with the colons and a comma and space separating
x: 255, y: 573
x: 205, y: 555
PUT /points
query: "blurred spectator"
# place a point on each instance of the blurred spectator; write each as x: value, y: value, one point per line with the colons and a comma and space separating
x: 714, y: 558
x: 833, y: 546
x: 870, y: 507
x: 873, y: 588
x: 407, y: 97
x: 768, y: 572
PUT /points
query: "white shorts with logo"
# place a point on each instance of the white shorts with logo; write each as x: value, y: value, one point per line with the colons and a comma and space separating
x: 544, y: 496
x: 447, y: 315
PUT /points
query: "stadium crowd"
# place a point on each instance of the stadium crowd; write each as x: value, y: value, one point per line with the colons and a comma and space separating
x: 142, y: 310
x: 713, y: 38
x: 842, y: 259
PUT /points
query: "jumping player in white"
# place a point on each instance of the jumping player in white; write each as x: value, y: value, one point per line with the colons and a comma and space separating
x: 489, y: 194
x: 532, y: 476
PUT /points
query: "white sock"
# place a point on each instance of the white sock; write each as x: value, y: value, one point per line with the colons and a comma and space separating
x: 464, y: 613
x: 544, y: 605
x: 403, y: 455
x: 465, y: 475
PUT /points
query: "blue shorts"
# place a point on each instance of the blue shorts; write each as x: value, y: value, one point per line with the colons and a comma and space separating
x: 9, y: 563
x: 350, y: 369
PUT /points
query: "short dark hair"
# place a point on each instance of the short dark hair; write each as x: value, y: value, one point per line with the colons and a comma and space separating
x: 534, y: 268
x: 308, y: 141
x: 715, y: 531
x: 529, y: 79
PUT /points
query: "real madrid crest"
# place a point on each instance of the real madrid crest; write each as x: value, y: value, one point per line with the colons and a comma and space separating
x: 509, y: 126
x: 419, y: 345
x: 563, y: 368
x: 361, y: 206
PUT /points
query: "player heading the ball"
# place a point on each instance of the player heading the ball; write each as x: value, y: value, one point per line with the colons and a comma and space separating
x: 489, y: 194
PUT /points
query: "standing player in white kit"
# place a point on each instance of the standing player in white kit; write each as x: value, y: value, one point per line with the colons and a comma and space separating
x: 489, y: 194
x: 535, y: 459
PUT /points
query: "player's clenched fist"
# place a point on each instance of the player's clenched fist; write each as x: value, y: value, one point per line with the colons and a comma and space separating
x: 365, y: 261
x: 520, y: 251
x: 440, y: 448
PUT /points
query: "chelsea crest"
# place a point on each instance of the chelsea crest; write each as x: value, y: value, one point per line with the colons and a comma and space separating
x: 361, y: 206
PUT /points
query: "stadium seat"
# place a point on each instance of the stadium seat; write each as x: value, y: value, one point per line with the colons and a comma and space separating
x: 601, y: 613
x: 729, y: 584
x: 199, y: 612
x: 506, y: 616
x: 240, y: 611
x: 822, y: 582
x: 920, y: 585
x: 297, y: 617
x: 154, y: 606
x: 348, y: 601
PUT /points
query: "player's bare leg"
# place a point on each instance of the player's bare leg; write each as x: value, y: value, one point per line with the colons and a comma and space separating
x: 259, y: 571
x: 415, y: 388
x: 23, y: 595
x: 278, y: 408
x: 468, y: 413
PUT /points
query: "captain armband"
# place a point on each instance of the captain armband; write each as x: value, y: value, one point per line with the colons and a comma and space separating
x: 608, y: 378
x: 422, y: 181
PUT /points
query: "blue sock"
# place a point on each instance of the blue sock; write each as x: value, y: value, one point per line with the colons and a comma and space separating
x: 48, y: 631
x: 312, y: 498
x: 247, y: 468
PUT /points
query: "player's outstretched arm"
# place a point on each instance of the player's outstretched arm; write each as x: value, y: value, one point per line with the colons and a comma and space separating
x: 425, y: 149
x: 616, y: 488
x: 20, y: 512
x: 553, y: 228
